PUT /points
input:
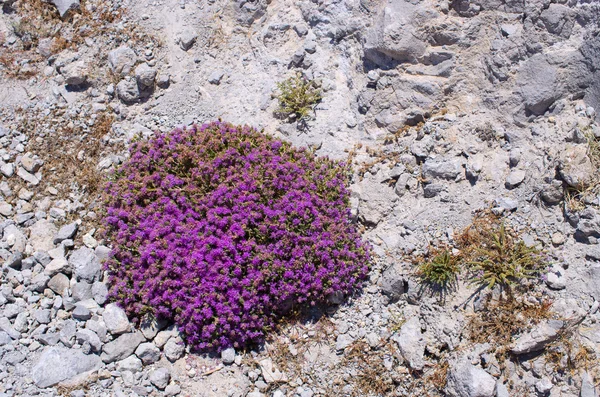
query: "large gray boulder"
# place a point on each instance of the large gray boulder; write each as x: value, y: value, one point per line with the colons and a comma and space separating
x: 41, y: 235
x: 57, y: 364
x: 89, y: 337
x: 145, y: 75
x: 122, y: 60
x: 558, y: 19
x: 538, y: 338
x: 228, y: 356
x: 131, y: 363
x: 592, y: 277
x: 588, y: 227
x: 470, y: 8
x: 57, y: 266
x: 64, y: 6
x: 75, y: 73
x: 411, y: 343
x: 393, y: 38
x: 247, y: 12
x: 122, y: 347
x: 11, y: 232
x: 539, y: 84
x: 128, y: 90
x: 393, y: 281
x: 66, y: 232
x: 59, y: 284
x: 115, y: 319
x: 186, y: 38
x: 442, y: 169
x: 467, y: 380
x: 575, y: 166
x: 174, y: 349
x: 160, y: 377
x: 374, y: 200
x: 587, y: 386
x: 85, y: 264
x: 148, y: 353
x: 100, y: 292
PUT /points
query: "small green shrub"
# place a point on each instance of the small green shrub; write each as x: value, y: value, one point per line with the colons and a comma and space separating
x: 297, y: 96
x: 501, y: 260
x: 441, y: 271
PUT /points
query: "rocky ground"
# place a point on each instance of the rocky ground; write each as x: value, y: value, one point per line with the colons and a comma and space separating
x: 447, y: 110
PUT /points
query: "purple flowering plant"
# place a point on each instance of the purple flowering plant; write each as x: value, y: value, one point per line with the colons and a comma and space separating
x: 221, y: 228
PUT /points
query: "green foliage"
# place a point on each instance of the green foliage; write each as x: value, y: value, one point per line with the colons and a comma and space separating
x: 297, y: 96
x: 441, y: 271
x: 501, y: 260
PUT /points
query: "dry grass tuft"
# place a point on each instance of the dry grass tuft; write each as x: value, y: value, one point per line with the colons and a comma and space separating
x: 593, y: 148
x: 60, y: 155
x: 439, y: 377
x: 576, y: 199
x: 371, y: 377
x: 296, y: 337
x: 475, y: 234
x: 502, y: 320
x: 38, y: 20
x: 568, y: 355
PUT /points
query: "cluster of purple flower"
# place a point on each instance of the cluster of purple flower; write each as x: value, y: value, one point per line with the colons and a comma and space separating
x: 222, y: 229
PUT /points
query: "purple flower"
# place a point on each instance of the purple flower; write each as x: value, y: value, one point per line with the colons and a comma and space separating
x: 218, y: 228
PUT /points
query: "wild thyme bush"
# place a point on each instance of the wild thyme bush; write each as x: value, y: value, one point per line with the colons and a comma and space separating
x: 221, y: 229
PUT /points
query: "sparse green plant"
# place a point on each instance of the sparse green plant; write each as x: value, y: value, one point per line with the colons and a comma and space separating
x: 441, y: 272
x: 502, y: 260
x: 297, y: 96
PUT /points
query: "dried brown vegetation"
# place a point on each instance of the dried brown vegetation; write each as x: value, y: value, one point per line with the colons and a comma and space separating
x: 439, y: 376
x: 370, y: 376
x: 60, y: 153
x: 38, y: 20
x: 502, y: 320
x: 295, y: 338
x: 577, y: 199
